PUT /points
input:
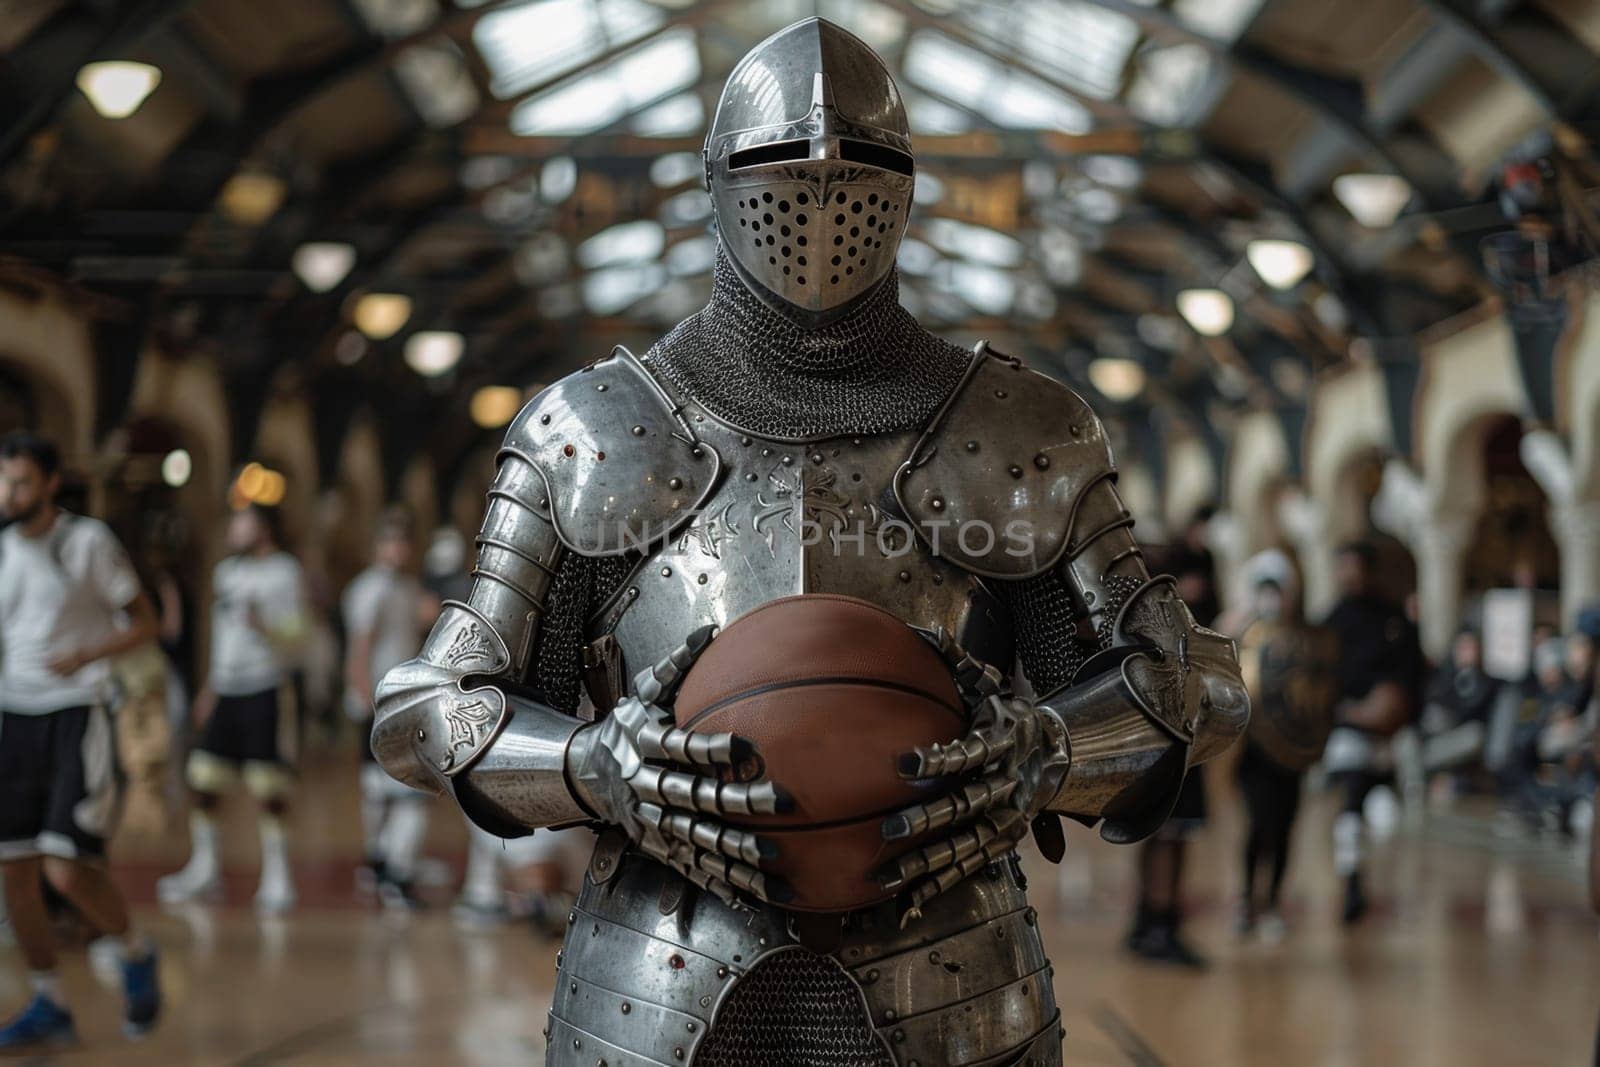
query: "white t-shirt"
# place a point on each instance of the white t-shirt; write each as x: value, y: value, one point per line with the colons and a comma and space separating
x: 243, y: 659
x: 384, y: 603
x: 59, y: 593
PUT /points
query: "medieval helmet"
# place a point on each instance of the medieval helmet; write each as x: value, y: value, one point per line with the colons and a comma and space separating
x: 808, y: 160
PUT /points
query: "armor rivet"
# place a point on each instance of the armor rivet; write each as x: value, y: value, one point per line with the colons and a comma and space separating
x: 1000, y: 394
x: 638, y: 431
x: 705, y: 1002
x: 722, y: 972
x: 626, y: 1007
x: 856, y: 441
x: 544, y: 420
x: 675, y: 961
x: 750, y: 477
x: 1075, y: 430
x: 905, y: 576
x: 933, y: 957
x: 546, y: 1032
x: 602, y: 387
x: 1016, y: 471
x: 690, y: 1027
x: 574, y: 987
x: 696, y: 452
x: 596, y: 931
x: 816, y: 457
x: 567, y: 450
x: 744, y: 441
x: 599, y: 1063
x: 603, y: 864
x: 1000, y: 932
x: 1088, y: 596
x: 737, y: 958
x: 766, y: 451
x: 972, y: 446
x: 1041, y: 461
x: 937, y: 503
x: 872, y: 975
x: 938, y: 579
x: 572, y: 917
x: 788, y: 460
x: 577, y: 1042
x: 701, y: 580
x: 675, y: 483
x: 666, y: 572
x: 422, y: 735
x: 1030, y: 916
x: 890, y: 1016
x: 601, y: 456
x: 899, y: 1037
x: 761, y: 941
x: 544, y: 502
x: 633, y: 591
x: 677, y: 1053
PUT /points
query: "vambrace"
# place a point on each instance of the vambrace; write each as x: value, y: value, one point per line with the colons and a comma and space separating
x: 1164, y: 693
x: 446, y: 722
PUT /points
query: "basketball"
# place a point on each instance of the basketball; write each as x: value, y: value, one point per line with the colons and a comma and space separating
x: 832, y: 690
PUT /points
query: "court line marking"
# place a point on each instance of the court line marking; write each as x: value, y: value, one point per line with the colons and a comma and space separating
x: 1125, y: 1037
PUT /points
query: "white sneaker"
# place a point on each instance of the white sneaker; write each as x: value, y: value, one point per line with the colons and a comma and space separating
x: 197, y: 881
x: 275, y: 896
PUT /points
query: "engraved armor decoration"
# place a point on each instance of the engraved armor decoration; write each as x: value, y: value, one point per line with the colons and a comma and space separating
x: 803, y: 434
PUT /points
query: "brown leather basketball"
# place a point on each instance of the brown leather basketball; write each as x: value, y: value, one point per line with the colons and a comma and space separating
x: 832, y: 690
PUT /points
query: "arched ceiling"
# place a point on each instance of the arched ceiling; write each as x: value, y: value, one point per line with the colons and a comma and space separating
x: 525, y: 171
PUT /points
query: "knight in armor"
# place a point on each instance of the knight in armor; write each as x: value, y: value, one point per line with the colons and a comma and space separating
x: 632, y: 514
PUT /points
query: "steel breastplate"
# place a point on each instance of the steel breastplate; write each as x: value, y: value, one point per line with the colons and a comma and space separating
x: 798, y: 517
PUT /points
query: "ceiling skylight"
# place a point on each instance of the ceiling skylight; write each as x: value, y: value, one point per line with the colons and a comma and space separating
x: 531, y: 43
x: 680, y: 116
x: 641, y: 78
x: 1081, y: 45
x: 970, y: 80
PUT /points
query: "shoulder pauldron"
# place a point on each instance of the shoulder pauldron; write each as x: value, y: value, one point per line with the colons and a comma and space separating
x: 622, y: 469
x: 994, y: 482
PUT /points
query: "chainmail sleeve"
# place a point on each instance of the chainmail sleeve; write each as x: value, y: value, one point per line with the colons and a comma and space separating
x: 582, y: 583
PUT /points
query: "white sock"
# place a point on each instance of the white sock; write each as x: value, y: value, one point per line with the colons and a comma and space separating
x: 481, y: 886
x: 274, y: 853
x: 402, y: 837
x: 1347, y: 844
x: 374, y: 806
x: 203, y: 843
x: 47, y: 984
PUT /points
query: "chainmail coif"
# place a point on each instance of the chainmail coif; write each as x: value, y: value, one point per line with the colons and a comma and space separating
x: 876, y: 370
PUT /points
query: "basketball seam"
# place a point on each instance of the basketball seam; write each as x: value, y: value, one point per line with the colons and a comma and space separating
x: 802, y: 683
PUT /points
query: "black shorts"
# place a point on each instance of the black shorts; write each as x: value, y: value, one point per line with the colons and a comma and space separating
x: 60, y: 785
x: 257, y: 728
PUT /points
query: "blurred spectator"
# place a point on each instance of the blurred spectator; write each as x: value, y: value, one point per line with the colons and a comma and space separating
x: 1289, y: 668
x: 1379, y: 667
x: 1455, y: 712
x: 383, y: 610
x: 246, y: 714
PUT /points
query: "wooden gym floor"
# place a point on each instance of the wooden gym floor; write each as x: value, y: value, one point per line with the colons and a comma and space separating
x: 1479, y: 951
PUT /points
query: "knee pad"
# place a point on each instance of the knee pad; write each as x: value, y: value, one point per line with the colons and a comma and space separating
x: 267, y: 781
x: 206, y: 773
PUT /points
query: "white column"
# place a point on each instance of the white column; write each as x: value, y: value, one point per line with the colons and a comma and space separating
x: 1440, y: 542
x: 1576, y: 527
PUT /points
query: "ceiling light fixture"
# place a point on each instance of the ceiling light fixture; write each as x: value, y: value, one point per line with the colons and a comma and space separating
x: 251, y: 197
x: 434, y: 352
x: 1116, y: 378
x: 322, y: 265
x: 117, y: 87
x: 381, y: 315
x: 1374, y: 200
x: 176, y: 468
x: 1279, y: 263
x: 495, y: 405
x: 1209, y: 311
